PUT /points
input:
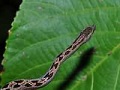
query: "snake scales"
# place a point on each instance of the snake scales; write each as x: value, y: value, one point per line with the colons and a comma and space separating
x: 33, y: 84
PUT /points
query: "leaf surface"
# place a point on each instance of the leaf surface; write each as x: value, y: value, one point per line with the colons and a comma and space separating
x: 44, y: 28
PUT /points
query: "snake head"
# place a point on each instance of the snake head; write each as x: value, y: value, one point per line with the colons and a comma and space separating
x: 87, y: 32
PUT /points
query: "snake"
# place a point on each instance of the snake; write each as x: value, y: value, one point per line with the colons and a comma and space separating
x: 33, y: 84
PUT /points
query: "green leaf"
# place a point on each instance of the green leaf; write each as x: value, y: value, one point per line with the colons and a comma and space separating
x: 44, y: 28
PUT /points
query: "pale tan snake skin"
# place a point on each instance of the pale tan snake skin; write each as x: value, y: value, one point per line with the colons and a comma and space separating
x: 33, y: 84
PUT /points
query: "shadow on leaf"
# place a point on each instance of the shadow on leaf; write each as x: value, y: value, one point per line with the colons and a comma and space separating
x: 83, y: 62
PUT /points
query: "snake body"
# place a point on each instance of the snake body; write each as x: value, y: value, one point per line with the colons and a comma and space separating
x: 33, y: 84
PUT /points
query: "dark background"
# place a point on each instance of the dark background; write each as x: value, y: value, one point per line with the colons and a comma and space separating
x: 8, y: 9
